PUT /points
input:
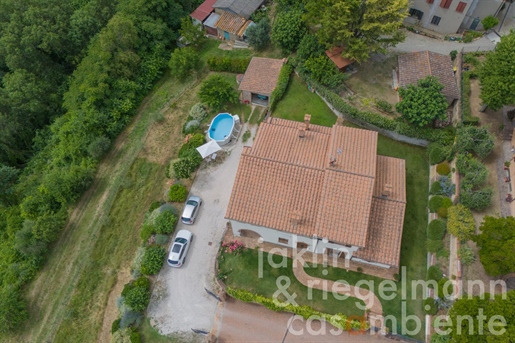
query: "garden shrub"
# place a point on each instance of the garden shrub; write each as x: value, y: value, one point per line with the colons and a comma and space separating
x: 198, y: 112
x: 178, y: 193
x: 166, y: 222
x: 228, y: 64
x: 442, y: 212
x: 153, y: 259
x: 453, y: 54
x: 444, y: 136
x: 436, y: 229
x: 434, y: 246
x: 383, y: 105
x: 461, y: 222
x: 436, y: 189
x: 131, y: 318
x: 116, y: 325
x: 282, y: 85
x: 476, y: 200
x: 183, y: 167
x: 146, y: 231
x: 191, y: 126
x: 154, y: 205
x: 489, y: 21
x: 98, y: 147
x: 436, y: 202
x: 474, y: 172
x: 430, y: 306
x: 323, y: 70
x: 447, y: 188
x: 474, y: 139
x: 436, y: 153
x: 434, y: 273
x: 443, y: 168
x: 466, y: 255
x: 135, y: 337
x: 161, y: 239
x: 138, y: 298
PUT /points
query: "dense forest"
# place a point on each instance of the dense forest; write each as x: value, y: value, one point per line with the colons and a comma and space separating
x: 71, y: 76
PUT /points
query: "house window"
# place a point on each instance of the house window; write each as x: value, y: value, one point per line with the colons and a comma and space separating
x: 416, y: 13
x: 445, y: 3
x: 301, y: 245
x: 435, y: 20
x: 430, y: 1
x: 461, y: 6
x: 283, y: 241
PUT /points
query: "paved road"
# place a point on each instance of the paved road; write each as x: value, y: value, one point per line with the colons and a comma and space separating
x: 179, y: 302
x: 416, y: 42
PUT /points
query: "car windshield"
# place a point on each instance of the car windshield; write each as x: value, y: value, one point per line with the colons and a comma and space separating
x: 180, y: 240
x: 192, y: 203
x: 173, y: 262
x: 176, y: 248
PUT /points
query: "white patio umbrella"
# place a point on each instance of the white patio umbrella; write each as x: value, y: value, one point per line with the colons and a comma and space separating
x: 209, y: 148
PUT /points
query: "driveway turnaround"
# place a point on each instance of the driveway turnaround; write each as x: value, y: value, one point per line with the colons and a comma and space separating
x: 179, y: 301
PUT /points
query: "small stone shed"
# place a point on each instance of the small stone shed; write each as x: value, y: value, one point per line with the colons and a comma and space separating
x: 260, y: 80
x: 418, y: 65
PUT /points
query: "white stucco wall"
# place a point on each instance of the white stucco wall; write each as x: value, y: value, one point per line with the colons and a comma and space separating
x: 450, y: 19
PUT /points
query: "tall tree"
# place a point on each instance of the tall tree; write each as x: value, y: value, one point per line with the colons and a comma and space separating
x: 361, y: 26
x: 496, y: 242
x: 288, y: 30
x: 497, y: 75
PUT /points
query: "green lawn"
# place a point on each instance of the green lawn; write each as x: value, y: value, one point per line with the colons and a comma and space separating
x: 298, y: 101
x: 413, y: 251
x: 242, y: 272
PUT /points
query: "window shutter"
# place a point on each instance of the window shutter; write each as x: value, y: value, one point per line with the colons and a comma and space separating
x: 430, y: 1
x: 445, y: 3
x: 461, y: 6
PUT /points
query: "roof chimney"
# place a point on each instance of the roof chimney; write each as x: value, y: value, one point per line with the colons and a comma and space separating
x: 307, y: 119
x: 387, y: 190
x: 295, y: 217
x: 302, y: 130
x: 332, y: 161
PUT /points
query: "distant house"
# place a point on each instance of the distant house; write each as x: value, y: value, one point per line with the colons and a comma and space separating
x: 322, y: 189
x: 448, y: 16
x: 335, y: 55
x: 260, y: 80
x: 234, y: 17
x: 204, y: 15
x: 418, y: 65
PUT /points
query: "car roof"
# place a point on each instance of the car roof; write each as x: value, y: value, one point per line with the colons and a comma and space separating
x: 194, y: 198
x: 184, y: 234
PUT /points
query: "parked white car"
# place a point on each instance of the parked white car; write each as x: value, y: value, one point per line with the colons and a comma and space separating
x: 180, y: 247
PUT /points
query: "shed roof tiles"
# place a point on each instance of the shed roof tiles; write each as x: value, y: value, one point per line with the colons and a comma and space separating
x: 418, y: 65
x: 261, y: 75
x: 283, y: 174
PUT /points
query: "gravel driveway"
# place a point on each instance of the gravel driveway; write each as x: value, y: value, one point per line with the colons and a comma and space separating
x: 179, y: 302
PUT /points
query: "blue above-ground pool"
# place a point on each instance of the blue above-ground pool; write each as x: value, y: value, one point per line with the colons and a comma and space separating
x: 221, y: 128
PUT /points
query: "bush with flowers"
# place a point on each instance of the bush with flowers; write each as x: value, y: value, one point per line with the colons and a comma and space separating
x: 233, y: 247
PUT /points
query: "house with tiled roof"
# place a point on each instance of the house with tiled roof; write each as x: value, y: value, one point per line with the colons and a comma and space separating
x: 418, y: 65
x: 322, y: 189
x: 259, y: 80
x: 204, y: 15
x: 235, y: 17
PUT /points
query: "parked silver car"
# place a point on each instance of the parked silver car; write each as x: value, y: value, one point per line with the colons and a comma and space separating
x: 180, y: 248
x: 191, y: 210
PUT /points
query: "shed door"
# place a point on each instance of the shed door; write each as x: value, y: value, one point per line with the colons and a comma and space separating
x: 226, y: 35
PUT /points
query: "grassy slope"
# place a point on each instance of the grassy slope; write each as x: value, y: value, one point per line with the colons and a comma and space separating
x: 298, y: 100
x: 242, y: 272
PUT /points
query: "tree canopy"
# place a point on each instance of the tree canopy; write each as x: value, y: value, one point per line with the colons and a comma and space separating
x: 361, y: 26
x: 423, y: 103
x: 259, y: 34
x: 288, y: 30
x: 497, y: 74
x: 215, y: 92
x: 496, y: 242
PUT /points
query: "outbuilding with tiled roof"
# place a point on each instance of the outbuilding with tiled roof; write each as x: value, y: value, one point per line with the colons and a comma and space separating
x: 259, y: 80
x: 322, y: 188
x: 419, y: 65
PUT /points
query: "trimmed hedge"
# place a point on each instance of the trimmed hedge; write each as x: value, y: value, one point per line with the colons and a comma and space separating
x: 444, y: 136
x: 436, y: 188
x: 436, y: 152
x: 153, y: 260
x: 166, y: 222
x: 434, y: 246
x: 443, y: 168
x: 430, y: 306
x: 282, y: 85
x: 436, y: 202
x: 338, y: 320
x: 434, y: 273
x: 228, y: 64
x: 436, y: 229
x: 442, y: 212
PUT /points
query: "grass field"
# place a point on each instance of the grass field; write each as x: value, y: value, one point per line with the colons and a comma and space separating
x: 298, y: 100
x: 242, y: 272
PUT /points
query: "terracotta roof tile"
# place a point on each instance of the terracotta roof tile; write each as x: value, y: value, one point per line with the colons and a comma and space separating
x: 230, y: 22
x: 283, y: 174
x: 385, y: 232
x: 261, y: 75
x: 418, y: 65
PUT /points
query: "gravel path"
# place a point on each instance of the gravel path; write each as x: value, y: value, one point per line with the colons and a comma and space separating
x: 179, y: 302
x: 417, y: 42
